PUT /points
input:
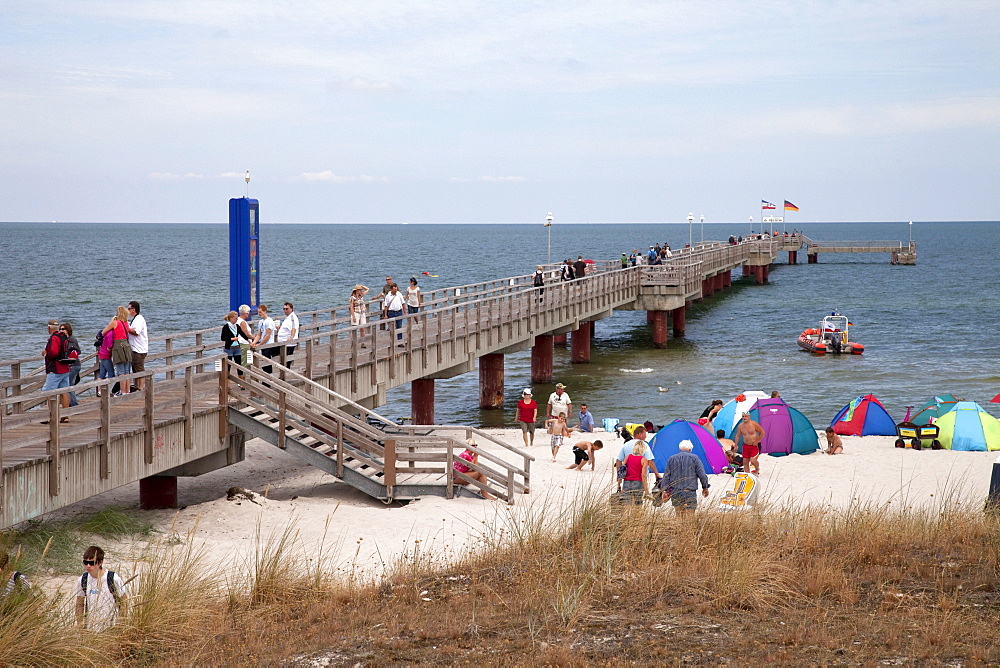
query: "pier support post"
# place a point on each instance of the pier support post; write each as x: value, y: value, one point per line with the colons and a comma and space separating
x: 559, y: 340
x: 660, y: 328
x: 580, y: 344
x: 541, y: 359
x: 650, y: 316
x: 813, y: 258
x: 717, y: 280
x: 678, y: 316
x: 727, y: 278
x: 158, y: 491
x: 422, y: 401
x: 792, y: 257
x: 766, y: 273
x: 491, y: 381
x: 746, y: 270
x: 706, y: 287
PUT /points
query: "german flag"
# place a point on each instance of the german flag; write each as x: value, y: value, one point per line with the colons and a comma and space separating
x: 790, y: 207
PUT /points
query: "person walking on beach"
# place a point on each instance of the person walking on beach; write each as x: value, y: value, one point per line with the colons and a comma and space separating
x: 121, y: 351
x: 56, y: 371
x: 359, y: 310
x: 583, y: 452
x: 559, y: 431
x: 527, y: 416
x: 586, y: 420
x: 138, y: 341
x: 100, y: 594
x: 394, y: 305
x: 638, y: 438
x: 637, y: 465
x: 266, y: 333
x: 680, y: 479
x: 559, y: 402
x: 413, y: 298
x: 288, y: 331
x: 751, y: 434
x: 470, y: 455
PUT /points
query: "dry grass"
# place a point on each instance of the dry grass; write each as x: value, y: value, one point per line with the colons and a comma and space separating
x: 601, y: 584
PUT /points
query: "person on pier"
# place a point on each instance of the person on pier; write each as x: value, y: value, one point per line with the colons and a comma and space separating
x: 359, y: 310
x: 265, y: 335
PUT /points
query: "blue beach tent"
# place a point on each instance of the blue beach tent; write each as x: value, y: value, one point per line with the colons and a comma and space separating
x: 865, y: 416
x: 968, y: 427
x: 666, y: 443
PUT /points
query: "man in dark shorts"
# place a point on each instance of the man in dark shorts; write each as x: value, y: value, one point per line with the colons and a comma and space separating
x: 584, y: 452
x: 751, y: 434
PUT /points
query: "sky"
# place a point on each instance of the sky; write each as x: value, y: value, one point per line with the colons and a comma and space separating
x: 419, y: 111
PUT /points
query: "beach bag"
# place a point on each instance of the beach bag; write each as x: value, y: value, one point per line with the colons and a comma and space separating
x: 622, y: 472
x: 121, y: 353
x: 610, y: 424
x: 70, y: 351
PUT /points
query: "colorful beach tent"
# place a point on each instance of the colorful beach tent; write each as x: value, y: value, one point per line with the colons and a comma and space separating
x: 786, y: 430
x: 968, y: 427
x: 731, y: 412
x: 934, y: 409
x: 666, y: 441
x: 865, y: 416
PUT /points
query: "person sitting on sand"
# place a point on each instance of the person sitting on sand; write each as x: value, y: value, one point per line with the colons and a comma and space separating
x: 558, y: 430
x: 470, y: 455
x: 729, y: 447
x: 834, y: 446
x: 584, y: 452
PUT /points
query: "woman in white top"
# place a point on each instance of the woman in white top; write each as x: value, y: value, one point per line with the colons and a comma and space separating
x: 413, y: 298
x: 359, y: 309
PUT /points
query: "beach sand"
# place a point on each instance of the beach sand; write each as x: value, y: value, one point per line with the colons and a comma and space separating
x: 364, y: 538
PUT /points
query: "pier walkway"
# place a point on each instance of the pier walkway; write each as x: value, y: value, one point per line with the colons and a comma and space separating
x: 318, y: 403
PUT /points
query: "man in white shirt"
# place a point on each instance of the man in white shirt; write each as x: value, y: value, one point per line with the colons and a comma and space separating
x: 138, y: 341
x: 395, y: 302
x: 289, y: 330
x: 559, y: 402
x: 100, y: 594
x: 264, y: 334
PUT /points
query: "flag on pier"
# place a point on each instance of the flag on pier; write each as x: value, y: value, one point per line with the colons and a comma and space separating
x: 764, y: 204
x: 790, y: 207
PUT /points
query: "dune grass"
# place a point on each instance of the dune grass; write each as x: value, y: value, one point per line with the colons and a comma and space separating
x: 593, y: 584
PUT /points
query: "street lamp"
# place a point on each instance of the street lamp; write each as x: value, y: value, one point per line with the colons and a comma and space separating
x: 751, y: 224
x: 690, y: 230
x: 703, y: 228
x: 911, y: 232
x: 548, y: 224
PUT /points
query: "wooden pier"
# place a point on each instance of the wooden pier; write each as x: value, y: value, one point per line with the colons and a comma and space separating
x: 198, y: 408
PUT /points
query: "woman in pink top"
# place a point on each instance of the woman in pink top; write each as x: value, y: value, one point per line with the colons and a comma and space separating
x: 104, y: 357
x: 470, y: 455
x: 636, y: 467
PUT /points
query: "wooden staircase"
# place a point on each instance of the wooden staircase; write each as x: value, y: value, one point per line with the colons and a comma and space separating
x: 383, y: 459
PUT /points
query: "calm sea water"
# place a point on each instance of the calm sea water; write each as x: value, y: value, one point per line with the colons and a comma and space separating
x: 927, y: 329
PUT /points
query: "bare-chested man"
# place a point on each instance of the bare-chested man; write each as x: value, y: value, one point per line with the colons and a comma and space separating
x: 751, y: 434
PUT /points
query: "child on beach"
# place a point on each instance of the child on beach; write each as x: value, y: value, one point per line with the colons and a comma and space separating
x: 558, y: 430
x: 584, y: 452
x: 834, y: 446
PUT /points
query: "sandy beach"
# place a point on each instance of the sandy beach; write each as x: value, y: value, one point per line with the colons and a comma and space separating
x: 363, y: 537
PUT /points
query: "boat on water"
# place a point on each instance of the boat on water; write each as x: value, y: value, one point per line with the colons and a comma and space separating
x: 832, y: 336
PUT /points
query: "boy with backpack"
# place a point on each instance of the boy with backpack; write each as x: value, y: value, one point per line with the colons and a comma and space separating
x: 100, y: 594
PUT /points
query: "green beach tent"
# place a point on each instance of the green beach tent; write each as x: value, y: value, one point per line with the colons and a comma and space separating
x: 934, y: 409
x: 968, y: 427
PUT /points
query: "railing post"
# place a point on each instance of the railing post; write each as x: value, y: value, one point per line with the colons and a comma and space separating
x: 147, y: 415
x: 450, y: 470
x: 199, y: 353
x: 340, y: 448
x: 309, y: 357
x: 224, y: 399
x: 53, y: 445
x: 282, y: 420
x: 104, y: 433
x: 3, y: 410
x: 15, y: 374
x: 188, y: 408
x: 389, y: 464
x: 169, y: 344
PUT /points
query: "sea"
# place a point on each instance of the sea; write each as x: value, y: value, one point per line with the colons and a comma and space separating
x: 927, y: 329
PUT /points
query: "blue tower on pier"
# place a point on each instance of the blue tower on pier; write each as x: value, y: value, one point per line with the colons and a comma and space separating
x: 244, y: 253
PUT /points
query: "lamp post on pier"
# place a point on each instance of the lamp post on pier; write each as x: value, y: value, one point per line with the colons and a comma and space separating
x: 690, y: 230
x: 548, y: 224
x: 702, y: 228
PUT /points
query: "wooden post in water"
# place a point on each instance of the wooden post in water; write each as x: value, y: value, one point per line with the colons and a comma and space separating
x: 541, y: 359
x: 491, y: 381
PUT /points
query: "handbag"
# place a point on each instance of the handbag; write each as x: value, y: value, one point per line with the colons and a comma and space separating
x: 622, y: 472
x: 121, y: 353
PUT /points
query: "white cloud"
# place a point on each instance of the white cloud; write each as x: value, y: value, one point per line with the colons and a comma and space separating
x: 327, y: 176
